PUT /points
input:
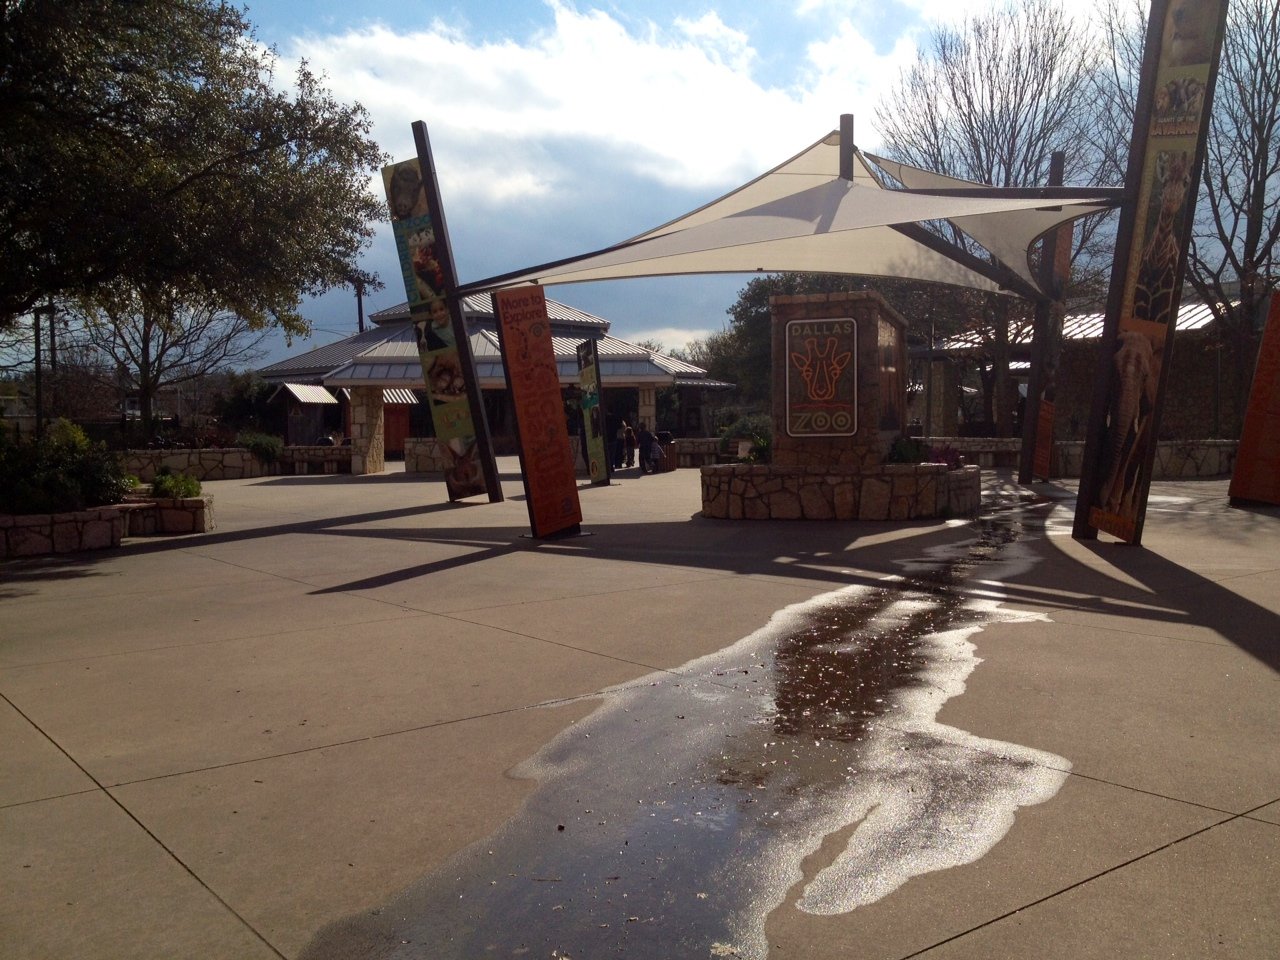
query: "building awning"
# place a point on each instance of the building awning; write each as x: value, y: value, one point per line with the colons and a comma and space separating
x: 397, y: 395
x: 307, y: 393
x: 390, y: 395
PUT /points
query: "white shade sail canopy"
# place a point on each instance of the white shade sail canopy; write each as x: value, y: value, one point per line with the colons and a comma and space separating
x: 802, y: 216
x: 1008, y: 237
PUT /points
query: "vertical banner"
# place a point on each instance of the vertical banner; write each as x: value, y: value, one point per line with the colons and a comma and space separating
x: 822, y: 377
x: 1257, y: 475
x: 1184, y: 39
x: 546, y: 460
x: 426, y: 262
x: 593, y: 414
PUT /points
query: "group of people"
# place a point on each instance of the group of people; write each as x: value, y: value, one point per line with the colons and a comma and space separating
x: 632, y: 446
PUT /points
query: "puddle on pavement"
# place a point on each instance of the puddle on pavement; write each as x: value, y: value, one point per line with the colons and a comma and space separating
x: 675, y: 818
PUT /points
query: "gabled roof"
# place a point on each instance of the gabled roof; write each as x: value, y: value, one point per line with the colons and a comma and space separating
x: 394, y: 361
x: 388, y: 355
x: 479, y: 305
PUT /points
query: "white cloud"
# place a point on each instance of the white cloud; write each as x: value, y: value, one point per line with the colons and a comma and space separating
x: 674, y: 104
x: 671, y: 338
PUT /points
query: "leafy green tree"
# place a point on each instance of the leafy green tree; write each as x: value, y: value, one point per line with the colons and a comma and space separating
x: 149, y: 145
x: 243, y: 404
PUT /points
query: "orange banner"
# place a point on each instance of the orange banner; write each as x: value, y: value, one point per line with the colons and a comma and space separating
x: 1257, y: 473
x: 533, y: 378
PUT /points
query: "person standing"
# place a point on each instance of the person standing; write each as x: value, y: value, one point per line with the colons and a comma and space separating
x: 644, y: 442
x: 629, y: 439
x: 619, y: 445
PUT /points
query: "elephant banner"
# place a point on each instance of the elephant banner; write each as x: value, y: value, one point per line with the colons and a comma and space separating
x: 1184, y: 38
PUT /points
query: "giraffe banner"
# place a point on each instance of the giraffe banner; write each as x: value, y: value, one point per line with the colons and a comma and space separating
x: 822, y: 378
x: 1183, y: 41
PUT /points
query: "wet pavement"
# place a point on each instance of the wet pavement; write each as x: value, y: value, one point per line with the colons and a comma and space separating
x: 358, y: 721
x: 675, y: 819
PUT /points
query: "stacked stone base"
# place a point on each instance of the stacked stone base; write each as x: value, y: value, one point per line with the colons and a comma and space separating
x: 101, y: 528
x: 235, y: 463
x: 40, y: 534
x: 895, y: 491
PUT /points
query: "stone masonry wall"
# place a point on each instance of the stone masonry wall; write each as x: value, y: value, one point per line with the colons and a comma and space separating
x: 866, y: 448
x: 235, y: 463
x: 39, y: 534
x: 895, y: 491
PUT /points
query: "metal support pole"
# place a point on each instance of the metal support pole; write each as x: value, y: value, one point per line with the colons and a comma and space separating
x: 53, y: 361
x: 1046, y: 327
x: 35, y: 325
x: 846, y: 146
x: 928, y: 385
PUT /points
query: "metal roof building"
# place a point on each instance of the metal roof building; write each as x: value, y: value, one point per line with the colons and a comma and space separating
x: 387, y: 356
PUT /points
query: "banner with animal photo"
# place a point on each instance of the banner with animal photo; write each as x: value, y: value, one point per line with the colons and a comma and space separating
x: 593, y: 413
x: 446, y: 365
x: 1188, y: 34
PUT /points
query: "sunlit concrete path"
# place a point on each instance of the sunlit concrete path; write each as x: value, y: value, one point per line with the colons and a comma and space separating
x: 231, y: 744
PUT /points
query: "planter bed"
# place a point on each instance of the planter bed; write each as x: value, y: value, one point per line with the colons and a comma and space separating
x: 101, y: 528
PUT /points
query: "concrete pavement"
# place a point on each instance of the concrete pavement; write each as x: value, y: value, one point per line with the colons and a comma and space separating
x: 217, y: 745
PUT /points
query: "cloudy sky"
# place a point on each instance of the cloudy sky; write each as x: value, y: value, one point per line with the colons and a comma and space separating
x: 560, y: 127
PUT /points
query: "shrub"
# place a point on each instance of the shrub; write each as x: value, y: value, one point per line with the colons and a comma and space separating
x: 756, y: 427
x: 947, y: 454
x: 60, y: 472
x: 176, y: 486
x: 264, y: 446
x: 911, y: 450
x: 907, y: 450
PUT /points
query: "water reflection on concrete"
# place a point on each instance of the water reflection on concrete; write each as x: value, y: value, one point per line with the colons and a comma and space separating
x: 676, y: 817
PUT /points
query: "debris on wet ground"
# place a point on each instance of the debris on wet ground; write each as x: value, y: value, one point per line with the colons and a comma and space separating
x: 676, y: 817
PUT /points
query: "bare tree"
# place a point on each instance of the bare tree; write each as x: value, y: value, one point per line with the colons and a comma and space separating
x: 160, y: 340
x: 1233, y: 261
x: 1232, y: 264
x: 990, y: 100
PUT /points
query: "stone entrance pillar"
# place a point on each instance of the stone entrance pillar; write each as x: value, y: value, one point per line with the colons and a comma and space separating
x: 943, y: 417
x: 367, y: 443
x: 845, y: 350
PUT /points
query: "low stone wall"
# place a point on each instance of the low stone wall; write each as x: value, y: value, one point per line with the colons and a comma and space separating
x: 894, y: 491
x: 160, y: 516
x: 989, y: 452
x: 427, y: 455
x: 1175, y: 459
x: 235, y: 463
x: 100, y: 528
x: 698, y: 451
x: 209, y: 463
x: 40, y: 534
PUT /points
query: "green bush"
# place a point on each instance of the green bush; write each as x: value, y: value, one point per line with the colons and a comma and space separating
x: 908, y: 450
x: 756, y: 427
x: 176, y: 486
x: 264, y: 446
x: 60, y: 472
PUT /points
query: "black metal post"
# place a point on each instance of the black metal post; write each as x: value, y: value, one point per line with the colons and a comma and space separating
x: 35, y: 326
x: 1045, y: 331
